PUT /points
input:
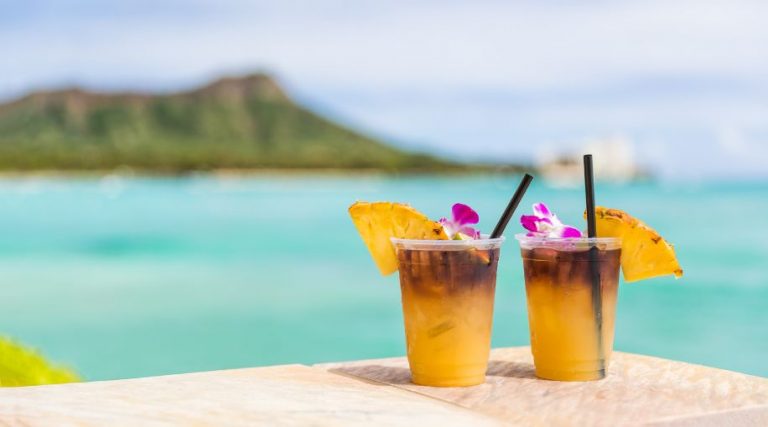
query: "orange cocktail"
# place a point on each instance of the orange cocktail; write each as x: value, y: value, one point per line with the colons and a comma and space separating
x: 448, y: 290
x: 571, y: 287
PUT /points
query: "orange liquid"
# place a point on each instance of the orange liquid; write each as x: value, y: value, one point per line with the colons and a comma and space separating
x: 448, y: 312
x: 566, y: 340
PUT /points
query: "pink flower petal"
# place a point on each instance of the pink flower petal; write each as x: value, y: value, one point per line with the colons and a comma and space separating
x: 529, y: 222
x: 568, y: 231
x: 463, y: 214
x: 469, y: 231
x: 448, y: 226
x: 540, y: 209
x: 537, y: 224
x: 544, y: 223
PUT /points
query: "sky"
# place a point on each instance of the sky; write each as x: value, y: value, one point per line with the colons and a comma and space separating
x: 685, y: 81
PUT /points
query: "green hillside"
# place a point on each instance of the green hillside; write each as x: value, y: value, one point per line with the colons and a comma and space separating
x: 235, y: 123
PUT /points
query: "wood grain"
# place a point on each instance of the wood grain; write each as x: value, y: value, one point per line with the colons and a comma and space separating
x: 637, y: 390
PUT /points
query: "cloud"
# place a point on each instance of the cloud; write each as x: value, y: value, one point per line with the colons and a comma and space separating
x: 398, y: 44
x: 472, y: 77
x: 749, y: 147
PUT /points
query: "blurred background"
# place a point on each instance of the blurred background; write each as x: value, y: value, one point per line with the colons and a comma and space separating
x: 175, y: 174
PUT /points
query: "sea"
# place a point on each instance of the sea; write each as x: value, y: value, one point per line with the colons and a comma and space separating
x: 119, y: 276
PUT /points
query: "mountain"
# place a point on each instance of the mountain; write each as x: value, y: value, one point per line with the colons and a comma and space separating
x: 234, y: 123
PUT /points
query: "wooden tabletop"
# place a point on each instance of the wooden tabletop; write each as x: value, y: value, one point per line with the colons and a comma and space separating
x: 638, y: 390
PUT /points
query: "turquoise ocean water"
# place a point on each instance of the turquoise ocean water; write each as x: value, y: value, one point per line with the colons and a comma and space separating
x: 131, y: 277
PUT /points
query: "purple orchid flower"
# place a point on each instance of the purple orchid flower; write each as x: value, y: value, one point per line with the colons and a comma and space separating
x: 544, y: 223
x: 463, y: 216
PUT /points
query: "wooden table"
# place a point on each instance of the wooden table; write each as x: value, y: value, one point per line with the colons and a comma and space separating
x: 639, y: 390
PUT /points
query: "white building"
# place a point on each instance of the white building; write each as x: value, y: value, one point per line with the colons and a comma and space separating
x: 613, y: 161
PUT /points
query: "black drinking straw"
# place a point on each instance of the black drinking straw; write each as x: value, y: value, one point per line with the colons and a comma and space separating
x: 597, y: 301
x: 589, y: 186
x: 513, y: 203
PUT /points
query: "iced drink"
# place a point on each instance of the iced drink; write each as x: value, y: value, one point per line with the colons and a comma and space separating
x: 448, y: 289
x: 571, y: 287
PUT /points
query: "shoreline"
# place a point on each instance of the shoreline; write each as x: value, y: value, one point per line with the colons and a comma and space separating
x: 245, y: 173
x: 225, y: 173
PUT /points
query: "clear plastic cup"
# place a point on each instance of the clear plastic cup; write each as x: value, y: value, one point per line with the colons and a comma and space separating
x: 571, y: 287
x: 448, y: 289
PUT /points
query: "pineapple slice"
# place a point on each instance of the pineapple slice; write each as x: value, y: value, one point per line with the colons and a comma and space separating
x: 379, y: 221
x: 644, y: 253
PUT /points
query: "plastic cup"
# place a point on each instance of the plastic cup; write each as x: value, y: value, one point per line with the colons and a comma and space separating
x: 571, y: 287
x: 448, y: 288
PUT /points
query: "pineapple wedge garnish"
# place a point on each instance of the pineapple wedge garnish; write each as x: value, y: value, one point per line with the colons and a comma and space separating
x: 379, y: 221
x: 644, y: 253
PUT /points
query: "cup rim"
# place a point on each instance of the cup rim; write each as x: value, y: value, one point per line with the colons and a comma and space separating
x: 485, y: 242
x: 524, y: 238
x: 527, y: 238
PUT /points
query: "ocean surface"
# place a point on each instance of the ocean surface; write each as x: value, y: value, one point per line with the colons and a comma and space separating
x: 124, y: 277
